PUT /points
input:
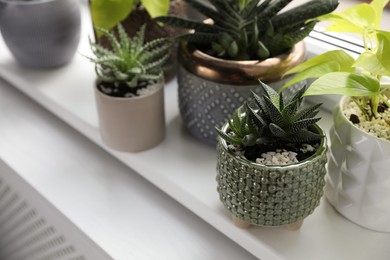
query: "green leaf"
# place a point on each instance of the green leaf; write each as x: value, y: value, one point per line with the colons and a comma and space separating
x: 332, y: 61
x: 108, y: 13
x: 377, y: 62
x: 344, y: 83
x: 378, y: 6
x: 341, y: 57
x: 354, y: 19
x: 156, y: 8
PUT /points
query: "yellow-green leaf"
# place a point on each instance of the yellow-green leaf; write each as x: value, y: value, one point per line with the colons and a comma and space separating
x: 378, y: 6
x: 332, y: 61
x: 344, y: 83
x: 156, y: 7
x: 355, y: 19
x: 108, y: 13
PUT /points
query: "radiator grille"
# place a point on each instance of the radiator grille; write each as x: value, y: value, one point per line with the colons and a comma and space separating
x: 27, y: 235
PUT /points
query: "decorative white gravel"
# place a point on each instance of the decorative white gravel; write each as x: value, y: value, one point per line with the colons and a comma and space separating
x: 378, y: 127
x: 278, y: 157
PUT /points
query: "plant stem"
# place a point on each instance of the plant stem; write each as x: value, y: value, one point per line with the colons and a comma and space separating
x: 362, y: 109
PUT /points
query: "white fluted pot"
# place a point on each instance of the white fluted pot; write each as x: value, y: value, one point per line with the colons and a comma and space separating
x: 358, y: 180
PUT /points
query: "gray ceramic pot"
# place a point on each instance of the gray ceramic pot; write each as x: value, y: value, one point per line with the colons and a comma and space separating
x: 270, y: 195
x: 211, y: 89
x: 41, y: 33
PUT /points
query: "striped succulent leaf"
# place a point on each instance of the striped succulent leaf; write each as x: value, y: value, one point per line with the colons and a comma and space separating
x: 271, y: 118
x: 256, y: 29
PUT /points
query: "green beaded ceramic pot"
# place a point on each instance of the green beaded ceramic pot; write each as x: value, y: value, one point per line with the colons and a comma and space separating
x: 270, y: 195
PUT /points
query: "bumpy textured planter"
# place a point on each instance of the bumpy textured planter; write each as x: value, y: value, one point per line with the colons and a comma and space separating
x: 211, y: 89
x: 41, y: 33
x: 131, y: 124
x: 270, y: 195
x: 358, y: 182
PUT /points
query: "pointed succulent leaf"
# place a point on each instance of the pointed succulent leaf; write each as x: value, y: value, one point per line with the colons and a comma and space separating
x: 305, y: 136
x: 249, y: 8
x: 277, y: 131
x: 270, y: 93
x: 229, y: 138
x: 261, y: 122
x: 304, y: 12
x: 249, y: 140
x: 202, y: 38
x: 188, y: 24
x: 308, y: 112
x: 262, y: 51
x: 206, y: 10
x: 297, y: 126
x: 274, y: 113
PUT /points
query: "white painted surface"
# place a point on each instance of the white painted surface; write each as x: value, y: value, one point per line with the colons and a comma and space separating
x: 180, y: 166
x: 117, y: 210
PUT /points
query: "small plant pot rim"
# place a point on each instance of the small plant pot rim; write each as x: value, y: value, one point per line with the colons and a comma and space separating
x: 245, y: 72
x: 339, y: 108
x: 124, y: 99
x: 320, y: 150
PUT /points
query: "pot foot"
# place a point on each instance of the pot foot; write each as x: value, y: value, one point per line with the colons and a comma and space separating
x: 294, y: 226
x: 240, y: 223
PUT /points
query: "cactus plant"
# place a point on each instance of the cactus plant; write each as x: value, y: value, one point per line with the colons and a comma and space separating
x: 253, y: 29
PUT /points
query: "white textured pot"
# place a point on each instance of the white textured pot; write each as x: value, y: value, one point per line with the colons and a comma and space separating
x: 131, y: 124
x: 358, y: 181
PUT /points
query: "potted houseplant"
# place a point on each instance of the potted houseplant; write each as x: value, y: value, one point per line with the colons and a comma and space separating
x: 132, y: 14
x: 129, y: 90
x: 41, y: 33
x: 358, y: 180
x: 222, y: 58
x: 271, y: 159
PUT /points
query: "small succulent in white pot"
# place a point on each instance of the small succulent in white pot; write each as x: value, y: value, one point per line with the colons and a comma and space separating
x: 271, y: 161
x: 129, y: 90
x: 360, y: 143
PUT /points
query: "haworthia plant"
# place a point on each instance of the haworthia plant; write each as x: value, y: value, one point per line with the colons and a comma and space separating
x: 250, y: 29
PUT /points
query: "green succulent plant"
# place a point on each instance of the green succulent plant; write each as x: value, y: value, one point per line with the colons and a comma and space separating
x: 250, y: 29
x: 270, y: 119
x: 130, y: 62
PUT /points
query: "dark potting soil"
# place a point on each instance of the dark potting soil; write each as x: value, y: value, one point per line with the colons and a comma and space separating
x: 254, y: 152
x: 121, y: 90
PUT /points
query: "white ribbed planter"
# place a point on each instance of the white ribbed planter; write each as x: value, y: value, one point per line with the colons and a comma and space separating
x: 358, y: 180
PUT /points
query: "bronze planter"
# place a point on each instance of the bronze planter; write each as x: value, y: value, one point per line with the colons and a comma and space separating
x: 211, y: 89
